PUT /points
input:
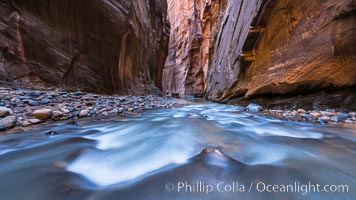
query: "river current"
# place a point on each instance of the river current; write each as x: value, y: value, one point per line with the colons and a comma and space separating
x: 199, y: 151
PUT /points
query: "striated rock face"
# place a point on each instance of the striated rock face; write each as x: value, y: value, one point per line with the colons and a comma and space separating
x: 100, y: 45
x: 194, y: 27
x: 292, y: 47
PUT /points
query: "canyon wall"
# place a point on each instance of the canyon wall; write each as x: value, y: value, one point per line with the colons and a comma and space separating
x: 292, y: 47
x: 99, y: 45
x: 194, y: 28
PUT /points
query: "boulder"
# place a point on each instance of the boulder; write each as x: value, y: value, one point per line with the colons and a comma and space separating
x: 9, y: 121
x: 42, y: 114
x: 5, y: 111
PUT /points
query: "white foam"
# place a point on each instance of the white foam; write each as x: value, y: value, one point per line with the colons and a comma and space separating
x: 135, y: 155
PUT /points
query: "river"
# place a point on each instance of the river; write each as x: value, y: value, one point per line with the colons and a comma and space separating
x: 199, y: 151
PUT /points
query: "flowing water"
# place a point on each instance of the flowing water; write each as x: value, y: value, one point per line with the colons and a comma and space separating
x: 159, y: 155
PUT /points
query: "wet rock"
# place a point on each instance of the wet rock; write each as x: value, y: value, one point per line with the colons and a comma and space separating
x: 43, y: 114
x: 57, y: 113
x: 9, y: 121
x: 286, y: 115
x: 45, y: 101
x: 32, y: 93
x: 51, y: 132
x: 327, y: 113
x: 34, y: 121
x: 25, y: 123
x: 307, y: 116
x: 336, y: 119
x: 33, y: 103
x: 2, y: 128
x: 83, y: 113
x: 5, y: 111
x: 301, y: 111
x: 316, y: 114
x: 64, y: 110
x: 349, y: 121
x: 105, y: 113
x: 324, y: 119
x: 77, y: 93
x: 339, y: 118
x: 352, y: 114
x: 253, y: 107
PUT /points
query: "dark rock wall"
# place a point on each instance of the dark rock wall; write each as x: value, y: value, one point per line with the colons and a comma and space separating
x: 100, y: 45
x: 293, y: 47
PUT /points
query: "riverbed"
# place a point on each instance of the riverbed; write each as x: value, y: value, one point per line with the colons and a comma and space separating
x: 199, y: 151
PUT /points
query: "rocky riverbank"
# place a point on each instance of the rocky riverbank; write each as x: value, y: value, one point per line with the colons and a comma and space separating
x: 25, y: 107
x: 328, y: 116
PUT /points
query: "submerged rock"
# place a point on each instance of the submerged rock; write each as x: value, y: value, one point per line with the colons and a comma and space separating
x: 253, y: 107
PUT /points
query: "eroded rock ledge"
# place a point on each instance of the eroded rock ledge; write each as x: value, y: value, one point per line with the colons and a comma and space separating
x: 111, y: 46
x: 291, y: 48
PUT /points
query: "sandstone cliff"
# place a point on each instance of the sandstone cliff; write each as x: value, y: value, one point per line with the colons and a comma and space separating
x: 101, y: 45
x: 292, y: 47
x: 194, y: 27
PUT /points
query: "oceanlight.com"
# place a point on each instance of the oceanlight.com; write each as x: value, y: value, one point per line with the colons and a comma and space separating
x: 236, y: 187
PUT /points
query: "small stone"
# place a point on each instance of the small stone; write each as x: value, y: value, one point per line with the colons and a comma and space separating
x: 83, y: 113
x: 130, y: 109
x: 9, y: 121
x: 285, y: 115
x: 32, y: 94
x: 89, y: 103
x: 349, y: 121
x: 43, y: 114
x: 352, y: 114
x: 45, y: 101
x: 77, y: 93
x: 33, y: 103
x: 306, y: 116
x: 327, y: 113
x: 324, y: 119
x: 316, y: 114
x: 334, y: 119
x: 105, y: 113
x: 301, y: 111
x: 64, y: 110
x: 60, y: 164
x: 57, y: 113
x: 343, y: 115
x: 51, y: 132
x: 34, y: 121
x: 5, y: 112
x: 25, y: 123
x: 253, y: 107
